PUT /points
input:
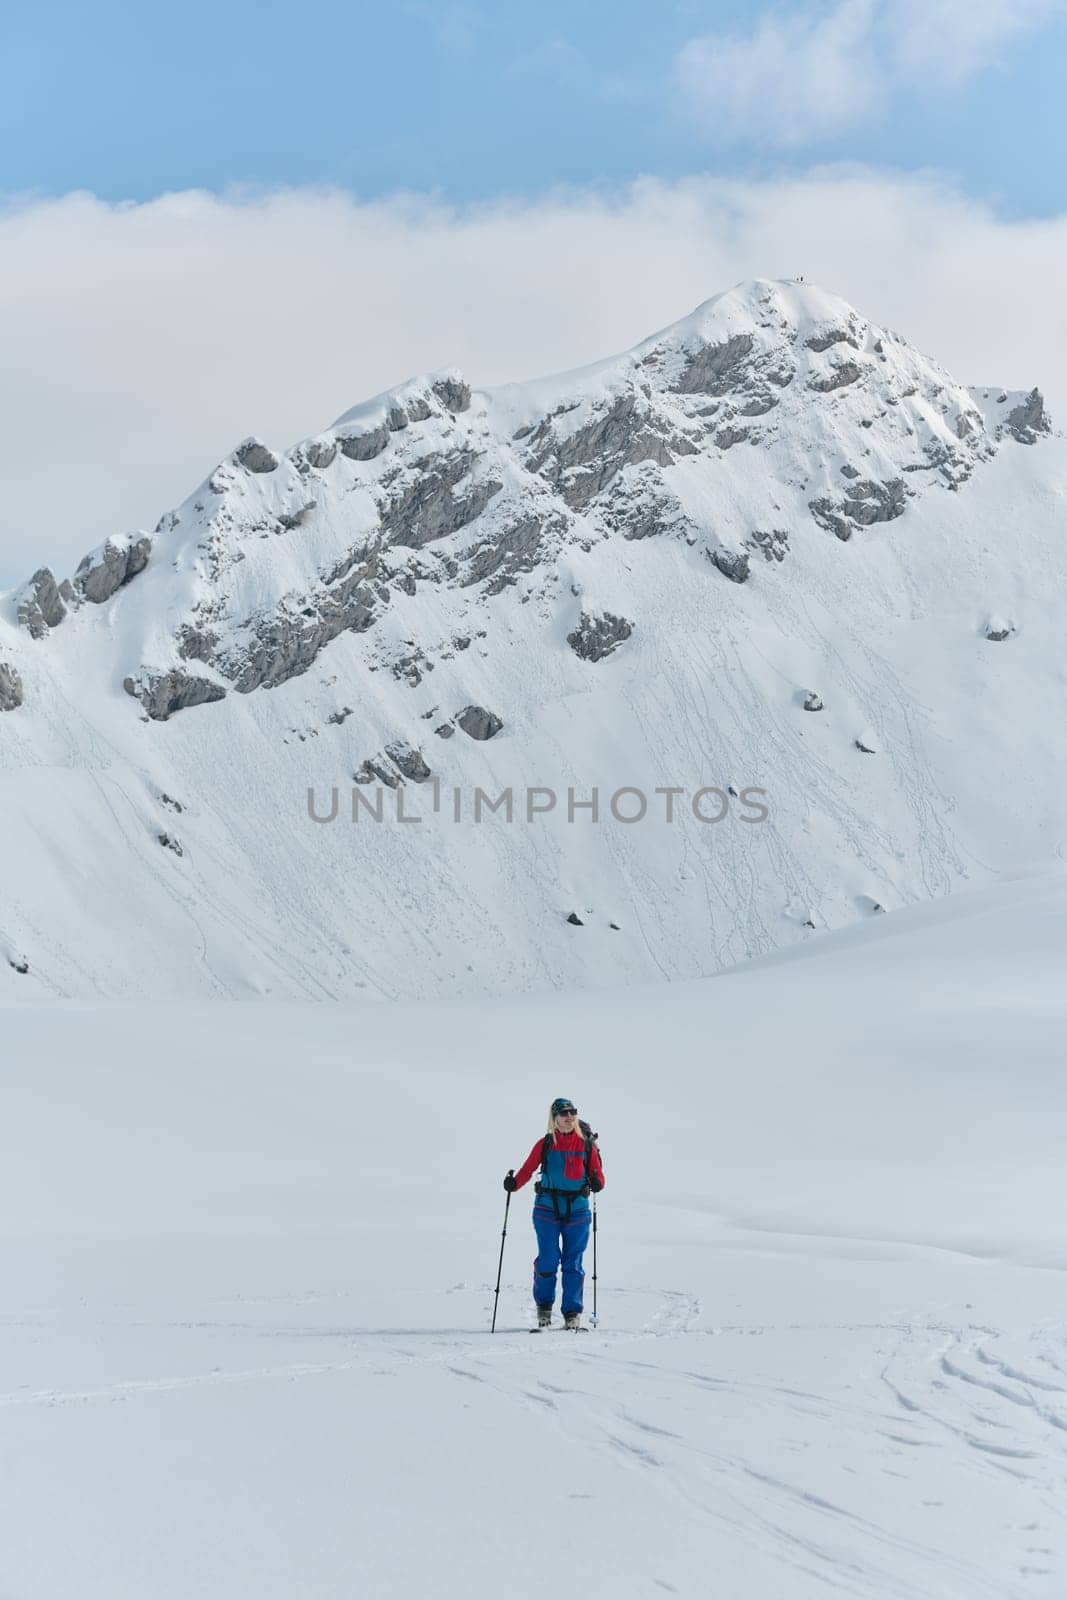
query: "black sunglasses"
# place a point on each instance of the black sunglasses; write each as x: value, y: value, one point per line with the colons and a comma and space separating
x: 567, y: 1111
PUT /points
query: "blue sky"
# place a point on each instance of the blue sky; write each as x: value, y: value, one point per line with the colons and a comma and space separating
x: 475, y: 100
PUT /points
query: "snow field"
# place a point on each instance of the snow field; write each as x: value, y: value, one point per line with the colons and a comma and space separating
x: 249, y: 1254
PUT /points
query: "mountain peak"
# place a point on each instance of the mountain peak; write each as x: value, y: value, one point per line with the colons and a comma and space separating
x: 441, y: 393
x: 770, y: 550
x: 773, y: 403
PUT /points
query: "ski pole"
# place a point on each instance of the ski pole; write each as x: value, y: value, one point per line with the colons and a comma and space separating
x: 593, y: 1318
x: 500, y: 1263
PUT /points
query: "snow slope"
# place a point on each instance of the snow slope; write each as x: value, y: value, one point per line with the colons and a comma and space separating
x: 644, y: 569
x: 249, y: 1254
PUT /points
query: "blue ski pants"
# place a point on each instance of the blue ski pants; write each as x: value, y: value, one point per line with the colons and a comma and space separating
x: 559, y: 1240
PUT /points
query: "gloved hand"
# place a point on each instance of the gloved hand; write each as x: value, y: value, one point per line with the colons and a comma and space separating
x: 509, y: 1182
x: 595, y: 1183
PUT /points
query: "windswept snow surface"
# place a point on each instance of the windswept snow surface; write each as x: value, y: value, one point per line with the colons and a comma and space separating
x: 248, y: 1256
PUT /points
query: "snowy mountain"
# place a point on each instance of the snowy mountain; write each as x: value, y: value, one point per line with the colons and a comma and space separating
x: 772, y: 560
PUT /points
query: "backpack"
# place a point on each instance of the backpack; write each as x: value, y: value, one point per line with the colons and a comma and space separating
x: 590, y: 1140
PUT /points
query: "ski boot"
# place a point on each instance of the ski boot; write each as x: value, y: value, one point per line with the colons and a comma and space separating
x: 573, y: 1320
x: 544, y: 1316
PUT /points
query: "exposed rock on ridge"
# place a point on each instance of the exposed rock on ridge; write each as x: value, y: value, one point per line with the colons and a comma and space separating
x: 728, y: 433
x: 42, y: 603
x: 113, y: 564
x: 10, y: 687
x: 479, y: 723
x: 863, y: 504
x: 1025, y: 421
x: 165, y: 693
x: 597, y: 636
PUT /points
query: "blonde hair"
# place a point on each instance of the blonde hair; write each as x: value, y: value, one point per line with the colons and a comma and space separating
x: 552, y: 1122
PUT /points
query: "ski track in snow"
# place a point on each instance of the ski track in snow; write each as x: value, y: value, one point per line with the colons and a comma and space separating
x: 741, y: 1448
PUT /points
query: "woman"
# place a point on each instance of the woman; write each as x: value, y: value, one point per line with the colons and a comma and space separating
x: 570, y: 1169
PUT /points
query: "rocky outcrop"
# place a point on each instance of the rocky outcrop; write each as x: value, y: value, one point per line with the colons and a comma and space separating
x: 1028, y: 419
x: 41, y: 603
x: 288, y: 520
x: 869, y: 502
x: 716, y: 368
x: 415, y: 409
x: 504, y: 556
x: 317, y: 453
x: 364, y: 446
x: 164, y: 693
x: 453, y: 392
x: 759, y: 405
x: 773, y: 542
x: 285, y: 644
x: 865, y: 502
x: 195, y: 643
x: 254, y: 456
x: 998, y: 630
x: 831, y: 336
x: 582, y: 464
x: 272, y: 649
x: 375, y: 770
x: 640, y: 506
x: 842, y: 375
x: 726, y: 438
x: 954, y: 466
x: 813, y: 701
x: 596, y: 636
x: 400, y: 760
x: 732, y: 564
x: 108, y: 568
x: 409, y: 665
x: 478, y: 723
x: 427, y: 506
x: 10, y: 687
x: 408, y: 761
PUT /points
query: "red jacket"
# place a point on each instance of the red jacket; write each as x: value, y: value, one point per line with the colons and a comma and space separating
x: 573, y: 1146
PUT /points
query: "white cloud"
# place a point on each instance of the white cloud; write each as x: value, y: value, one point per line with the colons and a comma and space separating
x: 142, y: 342
x: 798, y: 77
x: 808, y: 74
x: 935, y: 42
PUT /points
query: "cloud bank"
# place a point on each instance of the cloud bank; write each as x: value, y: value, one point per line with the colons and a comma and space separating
x: 142, y: 342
